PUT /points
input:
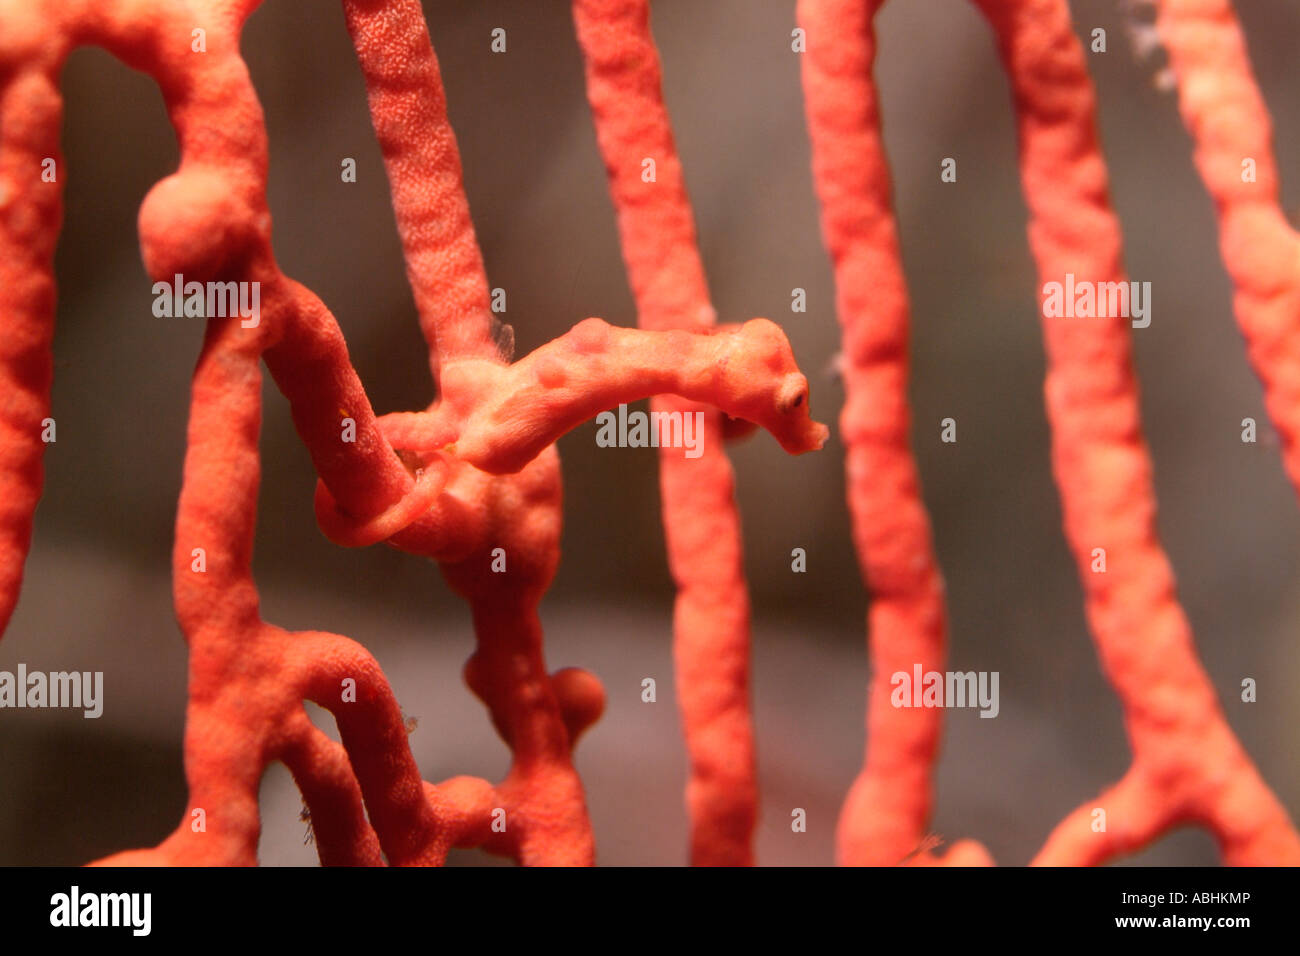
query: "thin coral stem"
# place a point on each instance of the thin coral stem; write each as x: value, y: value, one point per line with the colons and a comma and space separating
x: 409, y: 112
x: 344, y: 678
x: 545, y: 815
x: 248, y: 679
x: 655, y: 222
x: 701, y: 522
x: 312, y: 370
x: 229, y: 720
x: 1176, y: 728
x: 1233, y: 137
x: 323, y: 773
x: 30, y: 215
x: 887, y: 810
x: 1134, y: 816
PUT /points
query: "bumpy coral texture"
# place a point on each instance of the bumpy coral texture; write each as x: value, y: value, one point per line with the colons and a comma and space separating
x: 477, y: 470
x: 1188, y: 766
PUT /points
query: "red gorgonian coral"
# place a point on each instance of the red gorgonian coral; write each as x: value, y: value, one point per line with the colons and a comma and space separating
x: 474, y: 478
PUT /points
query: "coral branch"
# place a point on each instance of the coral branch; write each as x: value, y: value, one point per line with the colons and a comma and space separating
x: 701, y: 522
x: 887, y: 810
x: 473, y: 480
x: 1176, y: 729
x: 1233, y: 135
x: 409, y: 111
x: 321, y: 769
x: 30, y: 112
x: 312, y: 370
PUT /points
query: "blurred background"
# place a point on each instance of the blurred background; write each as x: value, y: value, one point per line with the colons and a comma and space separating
x: 97, y: 594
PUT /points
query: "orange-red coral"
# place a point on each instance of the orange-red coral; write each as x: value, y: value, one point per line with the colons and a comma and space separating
x: 701, y: 524
x: 1187, y: 763
x: 1232, y: 135
x: 476, y: 474
x: 887, y: 810
x: 485, y: 473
